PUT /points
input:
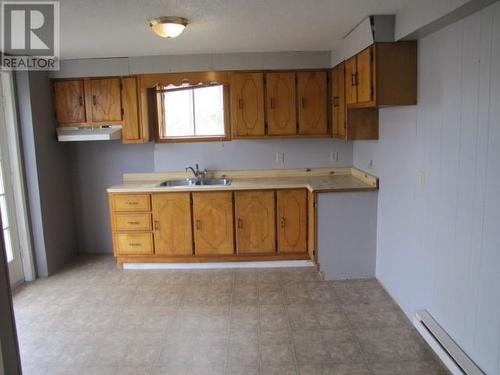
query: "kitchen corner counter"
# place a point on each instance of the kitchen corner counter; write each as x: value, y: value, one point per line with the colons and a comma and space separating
x: 315, y: 180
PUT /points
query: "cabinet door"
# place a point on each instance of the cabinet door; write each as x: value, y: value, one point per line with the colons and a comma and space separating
x: 213, y: 223
x: 312, y: 94
x: 351, y: 92
x: 364, y: 78
x: 247, y: 102
x: 255, y: 222
x: 280, y: 104
x: 105, y: 100
x: 69, y: 102
x: 172, y: 224
x: 292, y: 221
x: 131, y: 131
x: 338, y: 97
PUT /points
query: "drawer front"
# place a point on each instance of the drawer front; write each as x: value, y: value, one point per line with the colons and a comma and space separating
x: 134, y: 243
x: 131, y: 202
x: 124, y: 222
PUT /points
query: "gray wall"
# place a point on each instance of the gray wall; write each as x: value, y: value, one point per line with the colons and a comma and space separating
x: 48, y: 174
x: 347, y: 234
x: 439, y: 209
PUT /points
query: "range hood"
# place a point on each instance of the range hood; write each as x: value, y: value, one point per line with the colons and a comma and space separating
x: 87, y: 133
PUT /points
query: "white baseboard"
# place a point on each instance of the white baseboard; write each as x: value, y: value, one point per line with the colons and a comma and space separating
x: 217, y: 265
x: 452, y: 356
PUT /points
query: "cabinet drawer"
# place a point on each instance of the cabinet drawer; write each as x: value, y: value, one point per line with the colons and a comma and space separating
x: 131, y: 222
x: 131, y: 202
x: 134, y: 243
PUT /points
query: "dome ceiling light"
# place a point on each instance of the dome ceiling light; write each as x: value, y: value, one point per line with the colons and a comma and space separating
x: 168, y: 27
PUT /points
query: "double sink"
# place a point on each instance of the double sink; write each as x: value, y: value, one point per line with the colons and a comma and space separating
x: 197, y: 182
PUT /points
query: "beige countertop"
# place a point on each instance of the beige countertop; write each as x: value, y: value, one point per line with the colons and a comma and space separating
x: 315, y: 180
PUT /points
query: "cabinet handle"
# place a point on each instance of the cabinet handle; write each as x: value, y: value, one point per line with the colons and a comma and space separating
x: 80, y: 100
x: 282, y: 222
x: 353, y: 79
x: 240, y: 103
x: 240, y: 223
x: 157, y: 225
x: 133, y: 222
x: 335, y: 101
x: 94, y: 100
x: 272, y: 103
x: 198, y: 224
x: 302, y: 102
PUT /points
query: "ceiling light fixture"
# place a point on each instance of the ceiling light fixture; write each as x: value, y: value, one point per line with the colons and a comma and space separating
x: 168, y: 27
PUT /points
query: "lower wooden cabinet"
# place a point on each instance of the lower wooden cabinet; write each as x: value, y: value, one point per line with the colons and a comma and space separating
x: 213, y: 223
x: 255, y: 222
x: 172, y: 223
x: 292, y: 221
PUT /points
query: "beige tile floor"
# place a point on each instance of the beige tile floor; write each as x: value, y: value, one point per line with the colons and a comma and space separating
x: 93, y: 318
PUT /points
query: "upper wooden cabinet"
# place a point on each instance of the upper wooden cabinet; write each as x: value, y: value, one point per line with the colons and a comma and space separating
x: 281, y: 104
x: 338, y: 101
x: 292, y: 221
x: 105, y: 99
x: 172, y: 224
x: 213, y: 223
x: 255, y: 222
x: 384, y: 74
x: 312, y: 102
x: 69, y: 101
x: 247, y: 104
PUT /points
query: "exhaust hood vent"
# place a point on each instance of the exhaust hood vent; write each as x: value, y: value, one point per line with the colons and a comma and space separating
x: 95, y: 133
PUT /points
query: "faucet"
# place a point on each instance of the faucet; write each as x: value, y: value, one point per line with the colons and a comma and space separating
x: 199, y: 175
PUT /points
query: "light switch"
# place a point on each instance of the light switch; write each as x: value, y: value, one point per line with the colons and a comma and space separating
x: 334, y: 156
x: 370, y: 164
x: 280, y: 157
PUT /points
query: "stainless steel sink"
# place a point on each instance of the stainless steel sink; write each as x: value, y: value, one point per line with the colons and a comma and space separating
x: 193, y: 182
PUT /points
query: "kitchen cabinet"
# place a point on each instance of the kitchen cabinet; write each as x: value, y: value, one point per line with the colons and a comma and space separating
x: 339, y: 98
x: 172, y: 223
x: 213, y: 223
x: 292, y: 220
x: 312, y: 102
x: 69, y: 101
x: 384, y: 74
x: 101, y: 101
x: 255, y: 222
x: 352, y: 123
x: 247, y: 104
x: 105, y: 100
x: 281, y: 113
x: 133, y: 129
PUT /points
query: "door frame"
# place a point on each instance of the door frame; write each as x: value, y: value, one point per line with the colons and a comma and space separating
x: 18, y: 202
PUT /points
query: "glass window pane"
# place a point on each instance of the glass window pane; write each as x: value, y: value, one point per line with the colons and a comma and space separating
x: 209, y: 110
x: 8, y: 245
x: 178, y: 113
x: 3, y: 212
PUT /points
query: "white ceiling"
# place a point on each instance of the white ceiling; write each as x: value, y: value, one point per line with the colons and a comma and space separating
x: 118, y: 28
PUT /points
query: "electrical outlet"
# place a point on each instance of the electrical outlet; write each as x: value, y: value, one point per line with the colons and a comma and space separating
x: 422, y: 179
x: 334, y: 156
x: 370, y: 164
x: 280, y: 157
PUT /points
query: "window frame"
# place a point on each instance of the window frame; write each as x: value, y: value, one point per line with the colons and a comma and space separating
x: 160, y: 110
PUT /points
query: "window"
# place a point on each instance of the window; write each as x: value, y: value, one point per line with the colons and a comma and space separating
x: 192, y: 112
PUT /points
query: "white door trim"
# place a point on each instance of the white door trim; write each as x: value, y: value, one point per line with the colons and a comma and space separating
x: 8, y: 99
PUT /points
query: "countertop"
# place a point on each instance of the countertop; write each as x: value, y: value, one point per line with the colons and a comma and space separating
x: 315, y: 180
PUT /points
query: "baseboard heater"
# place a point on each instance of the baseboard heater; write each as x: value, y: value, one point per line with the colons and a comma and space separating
x: 453, y: 357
